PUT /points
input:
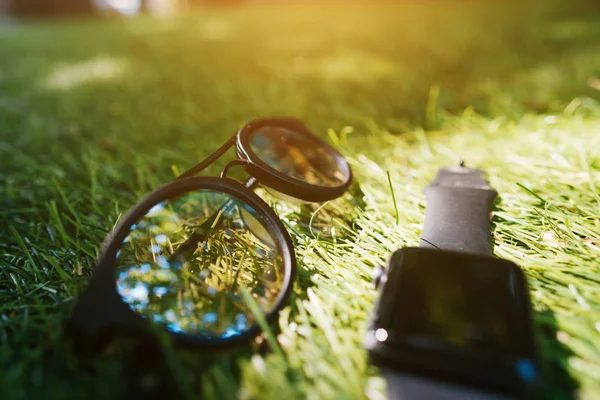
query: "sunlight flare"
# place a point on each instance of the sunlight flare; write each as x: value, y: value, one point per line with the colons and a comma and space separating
x: 68, y: 76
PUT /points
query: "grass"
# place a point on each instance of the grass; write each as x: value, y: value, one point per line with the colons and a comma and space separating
x: 94, y: 114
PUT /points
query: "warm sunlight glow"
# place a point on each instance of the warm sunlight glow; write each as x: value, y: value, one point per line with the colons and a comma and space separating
x: 96, y: 69
x: 216, y: 30
x: 356, y: 66
x: 125, y: 7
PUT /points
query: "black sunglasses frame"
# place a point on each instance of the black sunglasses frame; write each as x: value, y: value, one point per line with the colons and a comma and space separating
x: 269, y: 176
x: 100, y: 313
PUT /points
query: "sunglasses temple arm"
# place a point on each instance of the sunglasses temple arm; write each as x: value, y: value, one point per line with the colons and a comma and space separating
x: 209, y: 160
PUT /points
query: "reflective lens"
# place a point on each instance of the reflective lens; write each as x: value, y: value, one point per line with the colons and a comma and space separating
x: 294, y: 154
x: 187, y: 262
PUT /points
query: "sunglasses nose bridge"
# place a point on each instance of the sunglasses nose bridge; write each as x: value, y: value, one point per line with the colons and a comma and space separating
x: 232, y: 163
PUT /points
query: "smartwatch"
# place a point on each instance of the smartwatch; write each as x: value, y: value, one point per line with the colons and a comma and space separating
x: 452, y: 321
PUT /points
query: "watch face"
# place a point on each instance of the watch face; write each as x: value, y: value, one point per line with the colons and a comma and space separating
x: 457, y: 302
x: 455, y: 311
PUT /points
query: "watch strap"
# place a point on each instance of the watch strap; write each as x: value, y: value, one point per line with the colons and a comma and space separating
x: 459, y: 201
x: 409, y: 387
x: 458, y: 211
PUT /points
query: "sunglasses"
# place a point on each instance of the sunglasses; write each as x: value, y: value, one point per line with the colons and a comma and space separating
x: 204, y: 257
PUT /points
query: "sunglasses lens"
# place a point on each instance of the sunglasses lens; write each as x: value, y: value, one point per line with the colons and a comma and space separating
x: 293, y: 153
x: 187, y: 262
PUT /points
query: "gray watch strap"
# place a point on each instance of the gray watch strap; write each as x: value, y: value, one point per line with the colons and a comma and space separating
x: 408, y: 387
x: 458, y: 211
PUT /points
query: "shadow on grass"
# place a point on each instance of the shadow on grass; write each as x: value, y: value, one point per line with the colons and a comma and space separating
x: 155, y: 369
x: 558, y: 384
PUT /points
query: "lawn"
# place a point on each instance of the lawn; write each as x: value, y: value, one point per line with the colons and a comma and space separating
x: 95, y: 114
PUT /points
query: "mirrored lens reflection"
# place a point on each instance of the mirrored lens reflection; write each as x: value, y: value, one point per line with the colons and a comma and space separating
x: 185, y: 265
x: 293, y: 154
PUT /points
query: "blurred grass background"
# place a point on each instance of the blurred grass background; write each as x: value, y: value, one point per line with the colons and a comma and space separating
x: 95, y: 113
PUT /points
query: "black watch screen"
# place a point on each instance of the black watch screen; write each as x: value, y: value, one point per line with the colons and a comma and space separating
x: 455, y: 316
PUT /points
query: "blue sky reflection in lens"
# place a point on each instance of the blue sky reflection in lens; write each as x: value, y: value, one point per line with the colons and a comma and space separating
x: 200, y: 294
